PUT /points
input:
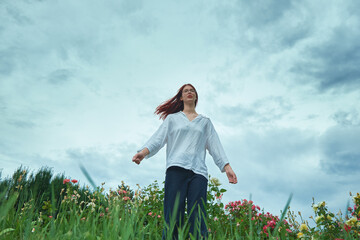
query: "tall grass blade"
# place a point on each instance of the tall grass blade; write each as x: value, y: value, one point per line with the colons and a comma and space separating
x: 87, y: 175
x: 280, y: 222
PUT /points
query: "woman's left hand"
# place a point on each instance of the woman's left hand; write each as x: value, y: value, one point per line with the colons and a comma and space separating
x: 230, y: 174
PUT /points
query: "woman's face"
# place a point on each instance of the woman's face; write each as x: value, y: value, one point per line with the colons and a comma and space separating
x: 188, y: 94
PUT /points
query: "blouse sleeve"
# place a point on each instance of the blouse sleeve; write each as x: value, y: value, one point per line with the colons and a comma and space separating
x: 215, y: 148
x: 157, y: 140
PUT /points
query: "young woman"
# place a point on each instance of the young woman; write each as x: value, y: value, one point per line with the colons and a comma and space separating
x: 187, y: 135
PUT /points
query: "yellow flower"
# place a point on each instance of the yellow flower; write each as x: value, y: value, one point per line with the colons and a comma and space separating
x: 319, y: 218
x: 328, y: 217
x: 357, y: 197
x: 352, y: 221
x: 300, y: 235
x: 303, y: 227
x: 322, y: 204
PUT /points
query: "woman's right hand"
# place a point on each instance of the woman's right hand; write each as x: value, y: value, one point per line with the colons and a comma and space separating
x: 138, y: 157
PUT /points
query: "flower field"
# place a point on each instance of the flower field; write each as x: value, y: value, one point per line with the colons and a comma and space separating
x: 42, y: 206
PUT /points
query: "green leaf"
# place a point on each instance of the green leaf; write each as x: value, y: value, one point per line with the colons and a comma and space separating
x: 6, y: 231
x: 8, y: 205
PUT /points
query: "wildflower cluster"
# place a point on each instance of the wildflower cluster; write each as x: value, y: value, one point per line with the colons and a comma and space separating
x: 215, y: 206
x: 330, y: 225
x: 150, y: 201
x: 352, y: 223
x: 247, y: 215
x: 74, y: 212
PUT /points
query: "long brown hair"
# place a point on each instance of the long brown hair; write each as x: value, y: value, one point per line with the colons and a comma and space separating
x: 174, y: 104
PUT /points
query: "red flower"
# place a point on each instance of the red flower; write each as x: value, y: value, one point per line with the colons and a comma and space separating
x: 66, y: 181
x: 74, y: 181
x: 347, y: 228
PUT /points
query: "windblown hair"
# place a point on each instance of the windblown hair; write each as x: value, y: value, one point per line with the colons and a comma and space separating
x: 174, y: 104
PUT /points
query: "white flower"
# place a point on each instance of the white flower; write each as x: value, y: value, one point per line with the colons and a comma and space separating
x: 91, y: 204
x: 315, y: 207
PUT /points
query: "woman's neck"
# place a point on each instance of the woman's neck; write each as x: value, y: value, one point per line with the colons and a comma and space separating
x: 189, y: 108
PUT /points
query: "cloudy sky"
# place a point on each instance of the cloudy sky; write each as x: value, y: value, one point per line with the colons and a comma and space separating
x: 280, y: 80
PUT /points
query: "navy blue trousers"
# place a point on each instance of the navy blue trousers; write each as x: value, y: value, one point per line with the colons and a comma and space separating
x: 185, y: 185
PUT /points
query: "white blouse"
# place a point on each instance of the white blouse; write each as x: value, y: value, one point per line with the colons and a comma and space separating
x: 187, y: 142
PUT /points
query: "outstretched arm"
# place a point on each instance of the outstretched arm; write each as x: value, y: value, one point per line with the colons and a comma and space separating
x: 230, y: 174
x: 154, y: 144
x: 138, y: 157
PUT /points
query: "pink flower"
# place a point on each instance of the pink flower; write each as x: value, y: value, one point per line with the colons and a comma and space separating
x: 288, y: 230
x: 101, y: 214
x: 122, y: 191
x: 218, y: 197
x: 159, y: 216
x: 74, y: 181
x: 50, y: 216
x: 126, y: 198
x: 150, y: 213
x: 66, y: 181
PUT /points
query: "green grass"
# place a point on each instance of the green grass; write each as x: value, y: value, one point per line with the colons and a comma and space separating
x: 47, y: 208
